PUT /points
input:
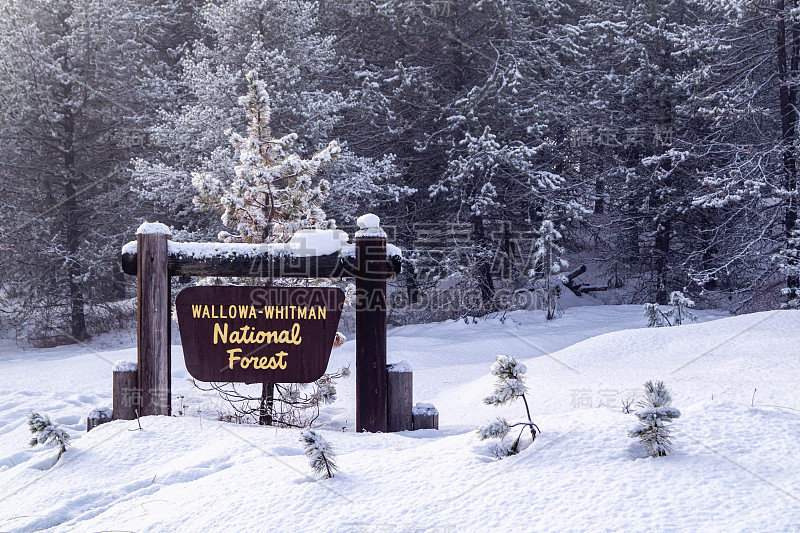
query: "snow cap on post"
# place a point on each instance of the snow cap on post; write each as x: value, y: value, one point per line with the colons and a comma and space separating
x: 370, y: 226
x: 402, y: 367
x: 101, y: 413
x: 425, y: 409
x: 153, y: 228
x: 125, y: 366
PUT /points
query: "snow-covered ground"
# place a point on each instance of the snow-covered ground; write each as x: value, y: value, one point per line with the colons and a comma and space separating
x: 735, y: 468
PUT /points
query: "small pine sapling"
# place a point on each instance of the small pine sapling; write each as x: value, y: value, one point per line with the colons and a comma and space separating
x: 675, y: 316
x: 547, y: 254
x: 680, y: 308
x: 46, y: 431
x: 655, y: 414
x: 510, y: 385
x: 655, y: 317
x: 319, y: 452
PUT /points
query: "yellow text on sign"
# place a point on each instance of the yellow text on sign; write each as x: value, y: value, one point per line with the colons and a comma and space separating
x: 270, y: 312
x: 249, y: 335
x: 259, y: 363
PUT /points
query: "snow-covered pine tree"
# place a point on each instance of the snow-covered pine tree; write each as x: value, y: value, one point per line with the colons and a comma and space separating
x: 284, y: 42
x: 547, y: 258
x: 655, y: 413
x: 478, y: 132
x: 750, y: 185
x: 510, y: 386
x: 319, y: 452
x: 680, y: 308
x: 275, y: 192
x: 789, y: 265
x: 46, y: 431
x: 656, y: 318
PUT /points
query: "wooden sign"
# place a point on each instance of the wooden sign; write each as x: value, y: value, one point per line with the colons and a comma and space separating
x: 258, y: 334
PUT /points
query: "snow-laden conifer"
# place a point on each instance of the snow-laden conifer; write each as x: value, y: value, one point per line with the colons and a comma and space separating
x: 77, y: 85
x: 789, y: 265
x: 510, y: 385
x: 547, y: 256
x: 655, y: 413
x: 46, y: 431
x: 496, y: 429
x: 275, y: 192
x: 675, y: 316
x: 319, y: 452
x: 655, y: 317
x: 680, y: 308
x: 506, y: 367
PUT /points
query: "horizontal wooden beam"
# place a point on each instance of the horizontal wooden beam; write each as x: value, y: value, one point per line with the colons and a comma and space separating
x: 267, y: 265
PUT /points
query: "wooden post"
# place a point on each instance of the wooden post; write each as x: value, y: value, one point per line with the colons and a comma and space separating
x: 126, y: 390
x: 97, y: 417
x: 425, y: 416
x: 370, y: 325
x: 399, y: 386
x: 153, y: 315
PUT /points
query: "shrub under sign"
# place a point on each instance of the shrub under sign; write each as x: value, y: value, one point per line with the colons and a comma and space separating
x: 258, y: 334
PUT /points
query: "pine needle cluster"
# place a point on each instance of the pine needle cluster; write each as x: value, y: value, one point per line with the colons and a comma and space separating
x: 656, y: 318
x: 275, y: 192
x: 319, y: 452
x: 510, y: 385
x: 655, y: 414
x: 46, y: 431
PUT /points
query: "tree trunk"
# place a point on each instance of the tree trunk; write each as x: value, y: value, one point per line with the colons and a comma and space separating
x: 72, y: 230
x: 788, y: 68
x: 508, y: 250
x: 484, y: 267
x: 266, y: 404
x: 549, y: 297
x: 709, y: 247
x: 412, y: 287
x: 662, y: 242
x: 599, y: 192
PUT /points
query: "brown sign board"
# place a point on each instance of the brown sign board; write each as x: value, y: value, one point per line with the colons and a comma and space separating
x: 258, y: 334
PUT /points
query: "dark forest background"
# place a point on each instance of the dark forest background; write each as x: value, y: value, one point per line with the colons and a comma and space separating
x: 654, y: 141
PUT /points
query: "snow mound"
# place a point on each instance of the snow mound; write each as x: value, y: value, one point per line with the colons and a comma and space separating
x: 734, y: 466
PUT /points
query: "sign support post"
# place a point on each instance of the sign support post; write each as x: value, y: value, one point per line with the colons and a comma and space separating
x: 153, y: 319
x: 371, y: 378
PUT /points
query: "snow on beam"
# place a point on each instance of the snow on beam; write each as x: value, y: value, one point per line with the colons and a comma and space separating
x: 309, y: 253
x: 245, y: 260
